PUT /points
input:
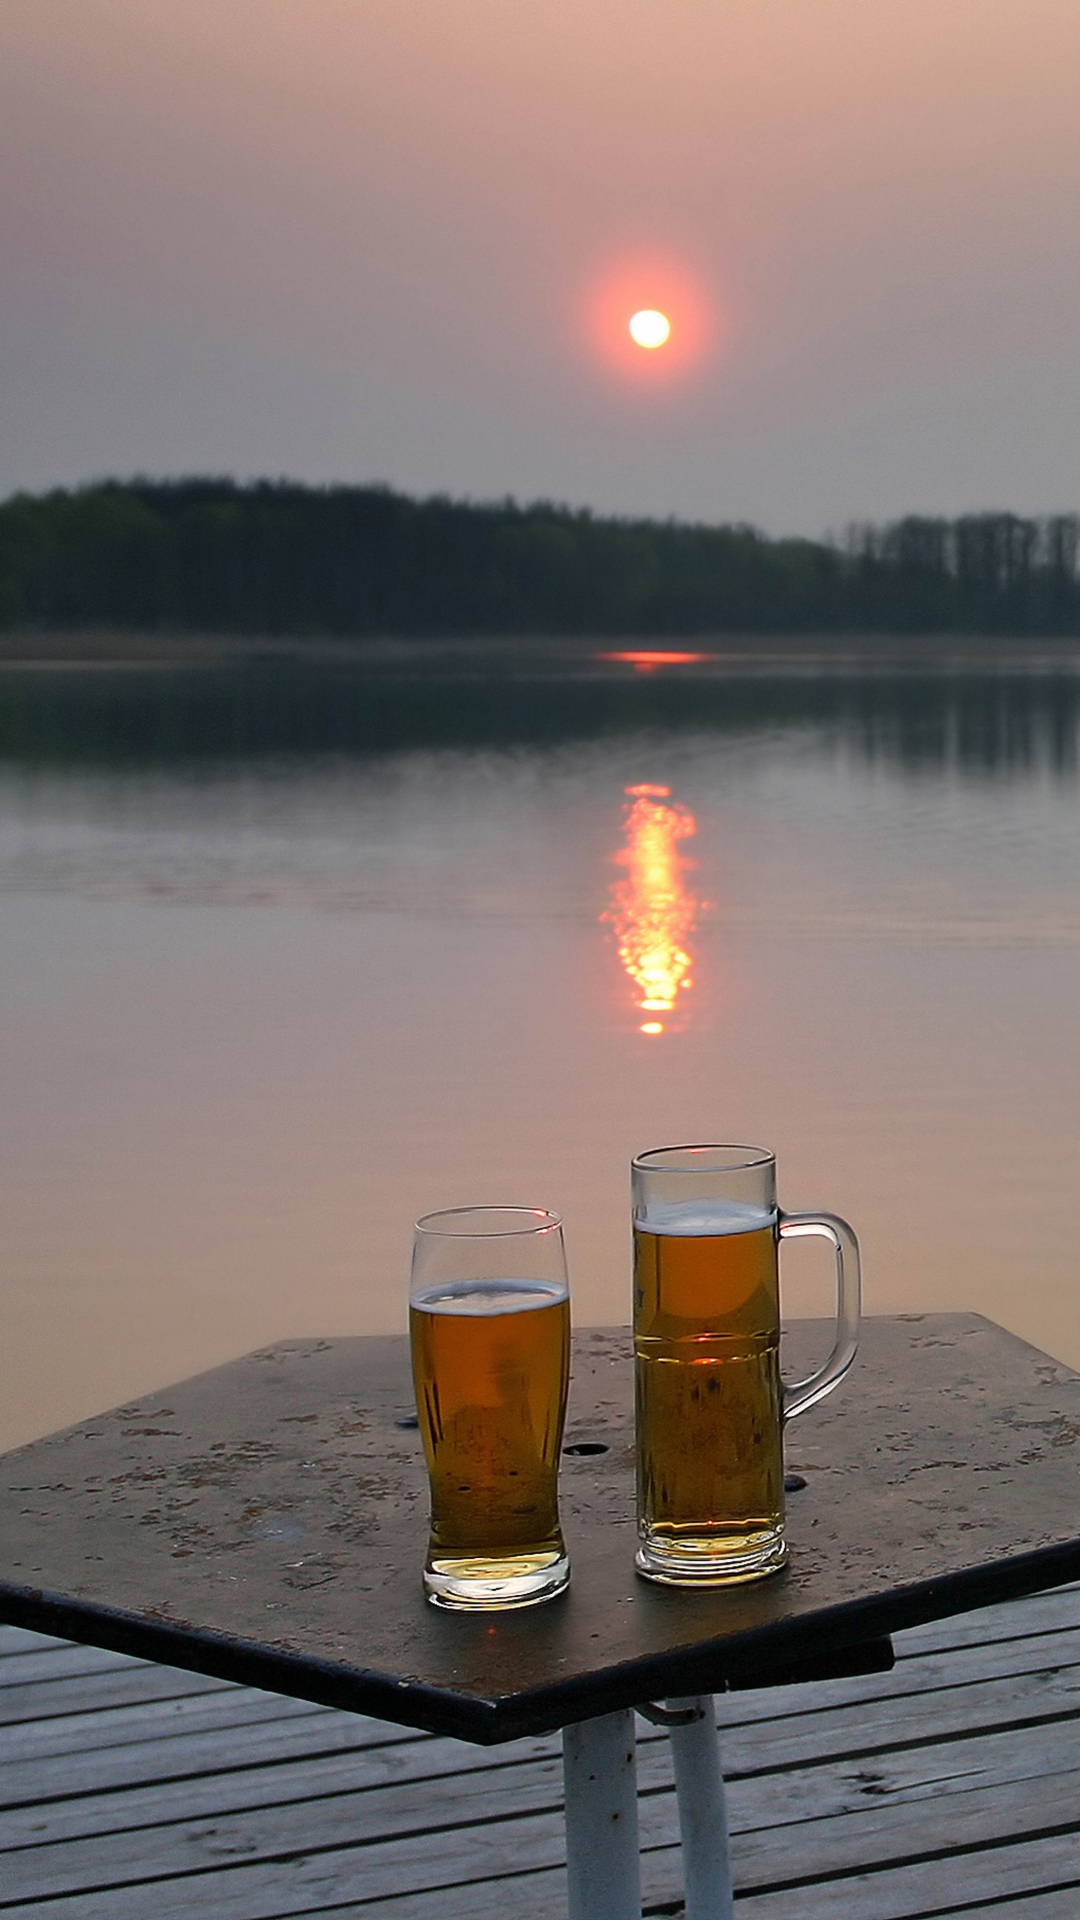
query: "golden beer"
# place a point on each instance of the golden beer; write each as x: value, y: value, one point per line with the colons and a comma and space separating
x: 709, y: 1394
x: 491, y: 1363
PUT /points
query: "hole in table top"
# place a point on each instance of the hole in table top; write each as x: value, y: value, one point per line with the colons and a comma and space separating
x: 587, y: 1446
x: 280, y: 1527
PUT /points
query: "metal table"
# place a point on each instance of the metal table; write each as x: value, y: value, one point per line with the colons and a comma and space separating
x: 266, y: 1523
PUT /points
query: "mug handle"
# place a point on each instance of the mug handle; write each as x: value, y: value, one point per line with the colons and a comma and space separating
x: 828, y: 1226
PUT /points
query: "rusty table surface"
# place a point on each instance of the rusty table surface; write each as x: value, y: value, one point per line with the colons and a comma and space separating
x: 266, y: 1522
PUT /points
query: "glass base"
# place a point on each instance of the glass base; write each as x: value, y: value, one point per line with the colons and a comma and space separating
x: 703, y: 1558
x: 491, y: 1583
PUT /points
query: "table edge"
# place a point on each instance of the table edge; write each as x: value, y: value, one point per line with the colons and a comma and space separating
x: 738, y: 1659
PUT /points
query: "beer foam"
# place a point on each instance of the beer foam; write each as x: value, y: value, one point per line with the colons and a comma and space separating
x: 487, y: 1297
x: 704, y: 1219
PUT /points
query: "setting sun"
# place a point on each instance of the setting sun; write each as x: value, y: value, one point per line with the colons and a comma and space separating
x: 650, y: 328
x: 652, y: 320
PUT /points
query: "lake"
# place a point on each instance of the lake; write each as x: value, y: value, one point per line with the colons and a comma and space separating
x: 296, y: 948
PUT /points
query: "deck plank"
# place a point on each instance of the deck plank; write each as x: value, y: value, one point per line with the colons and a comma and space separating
x: 43, y: 1699
x: 384, y: 1851
x: 131, y: 1792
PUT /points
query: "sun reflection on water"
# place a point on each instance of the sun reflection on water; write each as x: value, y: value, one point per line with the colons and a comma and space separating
x: 649, y: 660
x: 653, y: 911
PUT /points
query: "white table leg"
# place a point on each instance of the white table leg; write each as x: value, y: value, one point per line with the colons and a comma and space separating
x: 699, y: 1787
x: 603, y: 1870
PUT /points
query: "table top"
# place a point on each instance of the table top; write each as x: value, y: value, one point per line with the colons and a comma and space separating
x: 266, y: 1522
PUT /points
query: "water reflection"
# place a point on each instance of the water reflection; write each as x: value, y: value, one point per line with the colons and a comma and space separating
x: 653, y: 659
x: 653, y: 912
x: 980, y: 720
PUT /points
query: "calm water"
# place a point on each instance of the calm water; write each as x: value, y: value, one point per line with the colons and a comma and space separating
x: 290, y: 955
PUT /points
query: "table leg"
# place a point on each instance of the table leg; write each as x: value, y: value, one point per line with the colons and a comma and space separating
x: 699, y: 1788
x: 603, y: 1870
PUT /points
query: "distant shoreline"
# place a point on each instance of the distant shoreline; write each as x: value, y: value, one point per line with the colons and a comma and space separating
x: 61, y: 649
x: 169, y: 566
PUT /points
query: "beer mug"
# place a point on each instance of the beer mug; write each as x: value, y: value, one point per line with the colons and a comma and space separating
x: 489, y: 1329
x: 710, y: 1403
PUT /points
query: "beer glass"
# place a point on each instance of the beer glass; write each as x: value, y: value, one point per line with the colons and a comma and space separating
x: 489, y: 1326
x: 710, y: 1403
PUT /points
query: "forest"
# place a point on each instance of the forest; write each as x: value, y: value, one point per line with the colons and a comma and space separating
x: 277, y: 558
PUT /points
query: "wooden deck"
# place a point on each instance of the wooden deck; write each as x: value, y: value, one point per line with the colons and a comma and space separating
x: 950, y: 1786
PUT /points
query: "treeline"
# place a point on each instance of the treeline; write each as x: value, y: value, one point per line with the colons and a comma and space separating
x: 276, y: 558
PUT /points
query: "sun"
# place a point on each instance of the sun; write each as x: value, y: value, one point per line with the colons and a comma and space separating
x: 650, y: 328
x: 651, y: 321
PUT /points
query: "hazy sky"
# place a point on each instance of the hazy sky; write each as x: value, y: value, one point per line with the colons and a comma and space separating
x: 394, y: 239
